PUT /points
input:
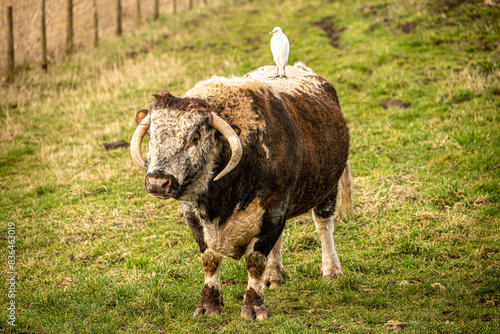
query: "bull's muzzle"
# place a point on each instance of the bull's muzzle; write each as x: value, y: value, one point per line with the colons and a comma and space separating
x: 161, y: 185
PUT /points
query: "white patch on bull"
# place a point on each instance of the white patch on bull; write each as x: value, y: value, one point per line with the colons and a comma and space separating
x: 231, y: 101
x: 266, y: 150
x: 300, y: 79
x: 330, y: 262
x: 232, y: 238
x: 213, y: 279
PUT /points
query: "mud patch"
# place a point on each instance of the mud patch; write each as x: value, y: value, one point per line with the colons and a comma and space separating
x: 115, y: 145
x: 327, y: 24
x: 407, y: 27
x: 395, y: 103
x: 445, y: 5
x: 232, y: 281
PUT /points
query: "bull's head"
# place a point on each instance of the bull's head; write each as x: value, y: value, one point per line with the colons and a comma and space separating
x: 183, y: 146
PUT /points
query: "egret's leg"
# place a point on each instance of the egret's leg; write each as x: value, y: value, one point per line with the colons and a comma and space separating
x: 284, y: 74
x: 277, y: 72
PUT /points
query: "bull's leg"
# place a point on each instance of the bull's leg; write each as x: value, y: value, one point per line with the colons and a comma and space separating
x: 274, y: 270
x: 211, y: 296
x: 256, y: 259
x: 323, y: 219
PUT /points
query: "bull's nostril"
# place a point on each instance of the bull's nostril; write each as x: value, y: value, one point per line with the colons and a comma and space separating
x: 160, y: 184
x: 166, y: 184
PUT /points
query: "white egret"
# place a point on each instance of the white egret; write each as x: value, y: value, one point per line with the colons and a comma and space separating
x: 280, y: 49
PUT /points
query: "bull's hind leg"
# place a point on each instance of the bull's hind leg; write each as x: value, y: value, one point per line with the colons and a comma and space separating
x: 211, y: 296
x: 323, y: 219
x: 274, y: 270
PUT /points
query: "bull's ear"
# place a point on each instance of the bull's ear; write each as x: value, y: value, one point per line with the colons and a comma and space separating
x: 236, y: 129
x: 140, y: 115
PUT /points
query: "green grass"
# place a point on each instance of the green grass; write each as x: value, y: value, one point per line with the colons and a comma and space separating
x: 97, y: 255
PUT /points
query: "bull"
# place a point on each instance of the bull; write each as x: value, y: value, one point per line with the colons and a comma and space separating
x: 243, y: 155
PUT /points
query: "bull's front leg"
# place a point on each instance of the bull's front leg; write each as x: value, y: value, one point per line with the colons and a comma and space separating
x: 211, y: 296
x: 253, y: 302
x: 256, y: 259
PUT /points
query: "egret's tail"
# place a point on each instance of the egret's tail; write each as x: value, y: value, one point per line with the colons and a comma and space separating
x: 344, y: 208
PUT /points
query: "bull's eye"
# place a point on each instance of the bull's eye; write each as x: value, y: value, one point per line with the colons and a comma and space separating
x: 194, y: 141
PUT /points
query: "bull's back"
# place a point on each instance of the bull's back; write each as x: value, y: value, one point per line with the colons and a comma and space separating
x: 304, y: 113
x: 320, y: 130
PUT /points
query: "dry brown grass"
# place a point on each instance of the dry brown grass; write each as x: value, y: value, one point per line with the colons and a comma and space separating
x: 27, y: 22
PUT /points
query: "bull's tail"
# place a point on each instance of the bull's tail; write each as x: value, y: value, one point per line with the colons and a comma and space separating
x: 344, y: 208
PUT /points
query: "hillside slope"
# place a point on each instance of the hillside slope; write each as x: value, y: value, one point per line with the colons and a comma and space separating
x: 95, y: 254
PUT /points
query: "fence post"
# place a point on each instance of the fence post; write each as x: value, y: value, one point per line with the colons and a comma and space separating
x: 175, y: 6
x: 157, y: 12
x: 190, y: 4
x: 96, y: 26
x: 138, y: 12
x: 69, y: 30
x: 43, y: 37
x: 10, y: 41
x: 118, y: 17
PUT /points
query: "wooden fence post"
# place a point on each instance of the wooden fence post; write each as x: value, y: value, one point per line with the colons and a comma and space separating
x: 175, y: 6
x: 10, y: 50
x: 157, y: 11
x: 190, y: 4
x: 43, y: 37
x: 118, y: 18
x: 96, y: 24
x: 69, y: 29
x: 138, y: 12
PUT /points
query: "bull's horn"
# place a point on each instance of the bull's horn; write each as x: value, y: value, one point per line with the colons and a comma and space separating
x: 135, y: 144
x: 234, y: 142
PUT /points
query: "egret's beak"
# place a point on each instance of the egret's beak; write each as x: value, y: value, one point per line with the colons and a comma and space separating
x: 272, y: 32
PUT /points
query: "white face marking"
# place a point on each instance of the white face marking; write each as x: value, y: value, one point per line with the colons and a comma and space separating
x: 170, y: 152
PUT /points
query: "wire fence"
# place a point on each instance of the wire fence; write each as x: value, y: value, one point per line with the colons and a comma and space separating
x: 46, y: 30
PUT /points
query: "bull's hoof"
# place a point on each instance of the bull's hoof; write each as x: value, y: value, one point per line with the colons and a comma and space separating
x: 271, y: 284
x: 273, y: 276
x: 254, y: 305
x: 332, y: 275
x: 260, y: 312
x: 210, y: 311
x: 211, y: 301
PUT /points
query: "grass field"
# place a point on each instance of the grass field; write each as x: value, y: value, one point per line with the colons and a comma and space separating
x: 96, y: 254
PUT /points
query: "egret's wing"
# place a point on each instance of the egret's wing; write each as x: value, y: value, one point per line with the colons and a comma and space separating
x: 275, y: 48
x: 283, y: 47
x: 286, y: 48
